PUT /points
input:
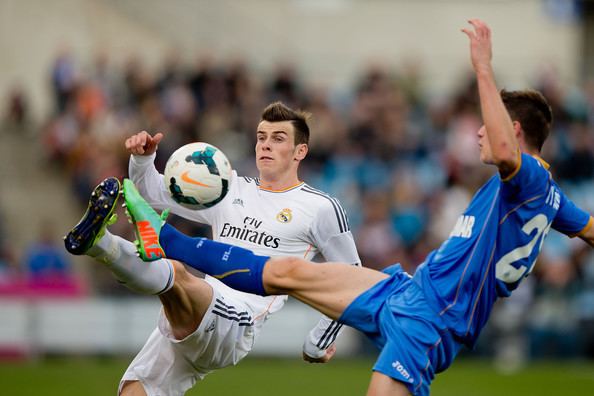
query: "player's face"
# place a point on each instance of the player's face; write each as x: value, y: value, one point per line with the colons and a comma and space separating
x: 484, y: 146
x: 275, y: 147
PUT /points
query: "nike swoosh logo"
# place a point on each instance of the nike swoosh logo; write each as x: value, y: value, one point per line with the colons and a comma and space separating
x: 188, y: 179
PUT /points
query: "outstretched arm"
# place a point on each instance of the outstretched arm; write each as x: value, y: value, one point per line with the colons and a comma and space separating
x: 573, y: 221
x: 500, y: 131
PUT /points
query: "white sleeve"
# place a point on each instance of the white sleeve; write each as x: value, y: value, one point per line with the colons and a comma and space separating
x: 150, y: 184
x: 321, y: 337
x: 333, y: 237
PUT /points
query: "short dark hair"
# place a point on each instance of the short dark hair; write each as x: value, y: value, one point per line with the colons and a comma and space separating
x: 532, y: 111
x: 278, y: 112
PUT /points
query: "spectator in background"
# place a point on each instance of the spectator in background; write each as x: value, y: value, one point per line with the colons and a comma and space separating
x: 577, y: 165
x: 16, y: 115
x: 377, y: 242
x: 553, y: 318
x: 585, y: 305
x: 8, y: 270
x: 63, y: 79
x: 284, y: 86
x: 46, y: 268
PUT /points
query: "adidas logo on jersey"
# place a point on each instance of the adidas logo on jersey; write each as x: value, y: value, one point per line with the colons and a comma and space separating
x: 463, y: 227
x: 238, y: 201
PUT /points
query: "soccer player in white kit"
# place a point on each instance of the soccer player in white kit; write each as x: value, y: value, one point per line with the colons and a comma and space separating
x: 205, y: 325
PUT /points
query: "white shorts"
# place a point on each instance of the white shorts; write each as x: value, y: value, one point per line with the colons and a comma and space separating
x: 169, y: 367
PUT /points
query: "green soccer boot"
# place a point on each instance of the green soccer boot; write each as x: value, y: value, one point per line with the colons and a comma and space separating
x: 147, y: 223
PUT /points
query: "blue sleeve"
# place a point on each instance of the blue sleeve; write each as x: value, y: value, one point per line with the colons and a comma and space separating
x: 570, y: 219
x: 527, y: 181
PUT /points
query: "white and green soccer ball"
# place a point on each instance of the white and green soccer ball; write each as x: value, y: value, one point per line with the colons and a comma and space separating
x: 198, y: 175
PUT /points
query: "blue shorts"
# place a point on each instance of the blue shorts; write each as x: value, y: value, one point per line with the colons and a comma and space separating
x: 414, y: 342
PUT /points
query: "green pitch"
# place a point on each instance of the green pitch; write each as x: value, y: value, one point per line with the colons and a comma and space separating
x: 258, y: 377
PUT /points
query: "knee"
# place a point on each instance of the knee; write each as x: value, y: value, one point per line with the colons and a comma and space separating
x: 186, y: 303
x: 180, y: 272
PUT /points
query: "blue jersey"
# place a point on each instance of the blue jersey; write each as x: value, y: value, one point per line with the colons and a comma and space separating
x: 494, y: 245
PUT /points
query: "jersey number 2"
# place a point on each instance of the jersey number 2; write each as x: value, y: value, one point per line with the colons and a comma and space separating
x: 505, y: 270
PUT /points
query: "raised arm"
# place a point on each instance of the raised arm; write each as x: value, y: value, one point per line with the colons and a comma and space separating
x: 141, y: 170
x: 142, y: 148
x: 501, y: 135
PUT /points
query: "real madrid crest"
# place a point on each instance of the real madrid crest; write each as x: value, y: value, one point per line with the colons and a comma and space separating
x: 284, y: 216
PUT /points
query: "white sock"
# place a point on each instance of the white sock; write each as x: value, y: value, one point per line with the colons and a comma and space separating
x: 119, y: 255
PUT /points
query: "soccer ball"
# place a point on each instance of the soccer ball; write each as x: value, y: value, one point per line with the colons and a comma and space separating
x: 198, y: 175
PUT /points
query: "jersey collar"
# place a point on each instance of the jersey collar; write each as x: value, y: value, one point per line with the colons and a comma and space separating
x: 544, y: 163
x: 283, y: 190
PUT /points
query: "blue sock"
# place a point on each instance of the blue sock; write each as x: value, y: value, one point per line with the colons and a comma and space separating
x: 238, y: 268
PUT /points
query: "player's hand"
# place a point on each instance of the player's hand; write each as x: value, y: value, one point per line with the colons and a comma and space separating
x: 324, y: 359
x: 143, y: 143
x: 480, y: 45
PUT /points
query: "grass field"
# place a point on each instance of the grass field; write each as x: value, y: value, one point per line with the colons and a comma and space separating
x: 94, y: 377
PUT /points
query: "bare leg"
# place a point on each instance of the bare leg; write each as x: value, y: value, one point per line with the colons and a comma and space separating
x: 186, y: 303
x: 327, y: 287
x: 382, y: 385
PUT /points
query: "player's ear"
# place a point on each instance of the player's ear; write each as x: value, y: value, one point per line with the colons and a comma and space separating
x: 518, y: 131
x: 300, y: 152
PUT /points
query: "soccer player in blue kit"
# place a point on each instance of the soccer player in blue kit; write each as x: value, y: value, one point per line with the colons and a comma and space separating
x: 421, y: 322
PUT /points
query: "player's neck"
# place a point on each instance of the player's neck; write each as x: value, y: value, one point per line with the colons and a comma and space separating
x: 279, y: 182
x: 529, y: 150
x: 526, y: 148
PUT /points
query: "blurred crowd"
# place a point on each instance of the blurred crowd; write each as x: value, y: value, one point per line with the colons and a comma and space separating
x: 404, y: 163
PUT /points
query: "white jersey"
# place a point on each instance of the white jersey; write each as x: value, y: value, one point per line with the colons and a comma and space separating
x: 299, y: 221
